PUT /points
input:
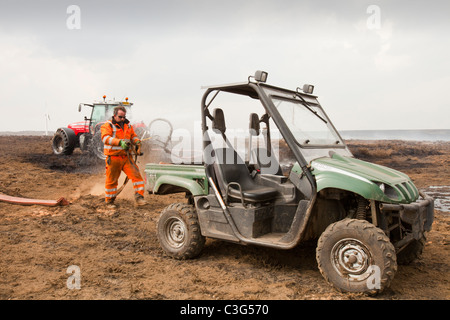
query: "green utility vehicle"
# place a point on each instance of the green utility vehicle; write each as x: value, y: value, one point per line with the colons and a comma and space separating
x: 283, y: 175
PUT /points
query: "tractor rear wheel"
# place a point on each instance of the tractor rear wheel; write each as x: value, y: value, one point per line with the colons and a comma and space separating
x: 64, y: 141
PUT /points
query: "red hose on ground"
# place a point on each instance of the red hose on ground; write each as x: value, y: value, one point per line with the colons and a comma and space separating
x: 28, y: 202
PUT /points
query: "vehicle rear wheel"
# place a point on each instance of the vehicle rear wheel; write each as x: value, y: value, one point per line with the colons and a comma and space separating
x: 64, y: 141
x: 355, y: 256
x: 179, y: 233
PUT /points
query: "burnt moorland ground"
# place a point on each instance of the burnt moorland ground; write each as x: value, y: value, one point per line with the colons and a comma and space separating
x: 119, y: 256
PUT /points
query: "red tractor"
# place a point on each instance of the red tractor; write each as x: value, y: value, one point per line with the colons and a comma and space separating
x: 86, y: 134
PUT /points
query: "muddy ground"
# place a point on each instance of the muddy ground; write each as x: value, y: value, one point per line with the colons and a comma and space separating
x: 119, y: 256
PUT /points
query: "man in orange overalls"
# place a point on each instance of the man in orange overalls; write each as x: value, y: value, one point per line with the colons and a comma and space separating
x: 117, y: 136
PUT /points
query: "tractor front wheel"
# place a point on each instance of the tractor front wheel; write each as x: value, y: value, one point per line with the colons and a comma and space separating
x: 97, y: 146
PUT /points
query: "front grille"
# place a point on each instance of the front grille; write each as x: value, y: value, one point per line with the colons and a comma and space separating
x: 408, y: 190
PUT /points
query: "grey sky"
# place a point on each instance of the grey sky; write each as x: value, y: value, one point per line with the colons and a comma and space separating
x: 159, y: 54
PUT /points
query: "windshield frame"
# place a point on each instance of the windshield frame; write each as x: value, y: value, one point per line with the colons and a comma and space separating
x: 321, y: 116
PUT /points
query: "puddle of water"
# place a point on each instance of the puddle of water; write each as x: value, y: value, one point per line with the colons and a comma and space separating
x: 441, y: 195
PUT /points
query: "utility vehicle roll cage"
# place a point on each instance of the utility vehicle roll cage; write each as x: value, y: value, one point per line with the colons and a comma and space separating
x: 256, y: 90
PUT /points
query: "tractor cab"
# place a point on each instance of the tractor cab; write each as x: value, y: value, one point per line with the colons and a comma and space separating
x: 103, y: 111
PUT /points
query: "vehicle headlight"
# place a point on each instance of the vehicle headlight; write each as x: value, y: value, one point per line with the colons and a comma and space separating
x: 388, y: 191
x: 381, y: 186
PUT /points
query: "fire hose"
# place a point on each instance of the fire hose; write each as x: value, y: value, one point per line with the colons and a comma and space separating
x: 29, y: 202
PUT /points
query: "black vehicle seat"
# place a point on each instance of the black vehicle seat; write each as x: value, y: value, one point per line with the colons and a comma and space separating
x: 266, y: 162
x: 231, y: 170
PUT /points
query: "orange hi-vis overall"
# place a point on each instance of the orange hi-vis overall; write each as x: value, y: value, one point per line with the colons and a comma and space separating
x: 118, y: 160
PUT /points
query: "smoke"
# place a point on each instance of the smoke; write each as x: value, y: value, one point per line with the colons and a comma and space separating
x: 98, y: 189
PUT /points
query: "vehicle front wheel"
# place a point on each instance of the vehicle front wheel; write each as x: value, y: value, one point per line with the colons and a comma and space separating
x: 179, y: 233
x: 97, y: 146
x: 355, y: 256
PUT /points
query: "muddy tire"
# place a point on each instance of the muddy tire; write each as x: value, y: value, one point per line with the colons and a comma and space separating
x: 97, y: 146
x: 412, y: 252
x: 179, y: 233
x: 64, y: 141
x: 355, y: 256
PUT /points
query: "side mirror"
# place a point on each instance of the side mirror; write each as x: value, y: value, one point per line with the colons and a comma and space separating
x: 79, y: 107
x: 218, y: 123
x: 254, y: 128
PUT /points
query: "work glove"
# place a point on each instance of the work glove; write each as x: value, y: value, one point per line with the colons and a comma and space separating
x: 125, y: 144
x: 138, y: 147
